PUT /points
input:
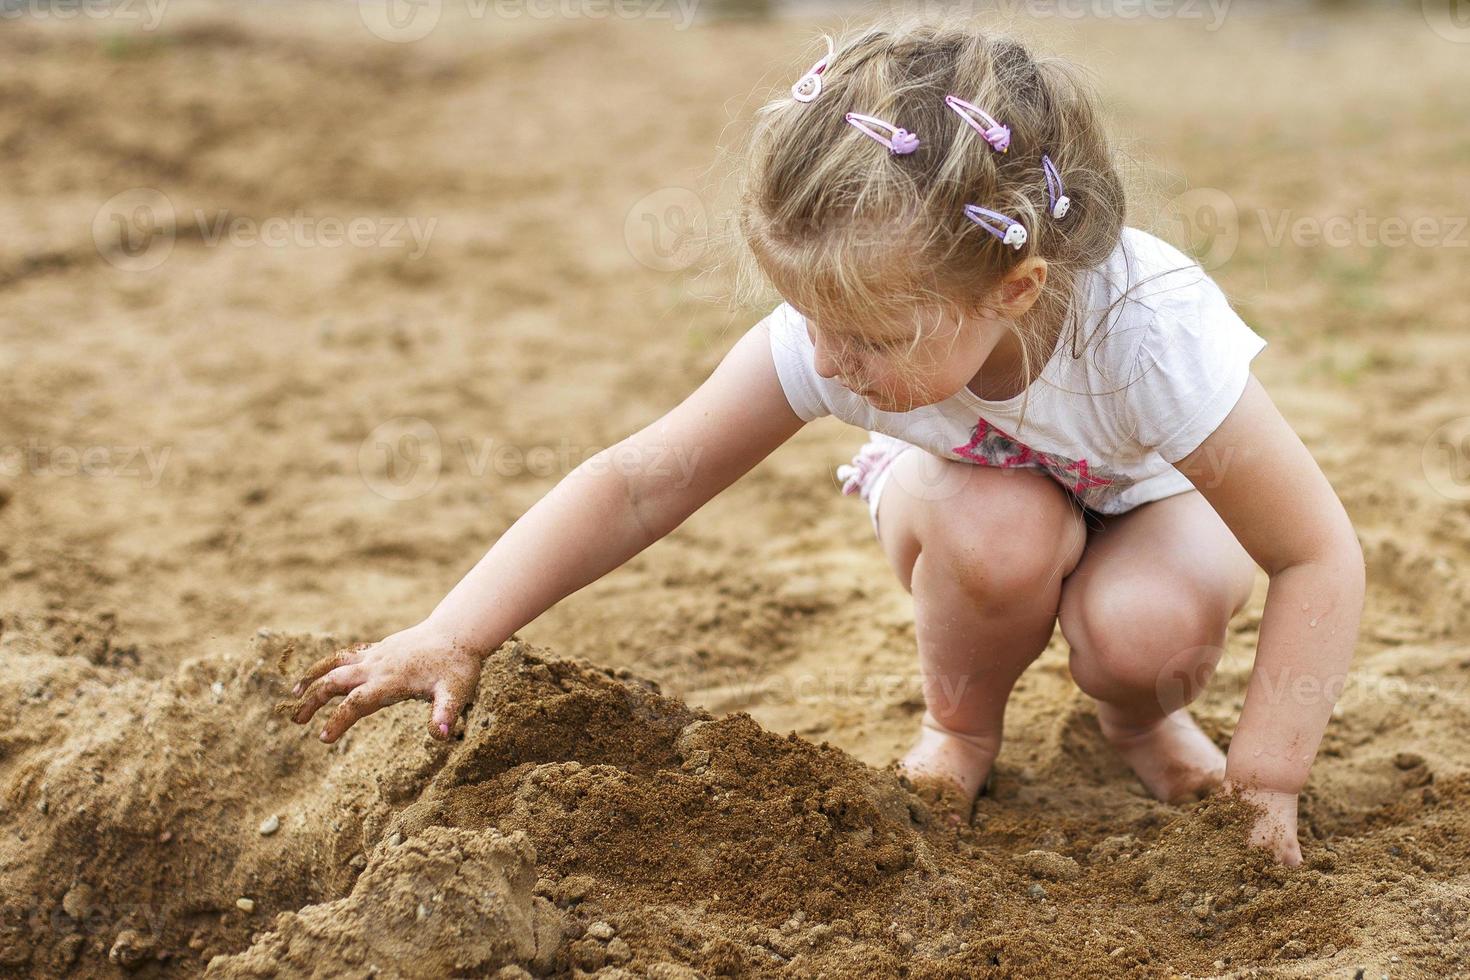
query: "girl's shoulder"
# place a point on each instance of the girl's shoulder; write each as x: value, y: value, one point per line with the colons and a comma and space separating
x: 1148, y: 292
x: 1144, y: 273
x: 1150, y: 304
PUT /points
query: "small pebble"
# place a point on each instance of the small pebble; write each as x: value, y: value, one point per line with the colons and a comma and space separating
x: 1050, y: 865
x: 601, y: 930
x: 1036, y: 891
x: 270, y: 825
x: 77, y: 901
x: 245, y: 904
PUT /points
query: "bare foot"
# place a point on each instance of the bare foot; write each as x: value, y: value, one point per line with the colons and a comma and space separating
x: 947, y: 768
x: 1176, y: 761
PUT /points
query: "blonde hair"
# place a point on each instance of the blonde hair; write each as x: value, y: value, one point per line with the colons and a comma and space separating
x: 873, y: 234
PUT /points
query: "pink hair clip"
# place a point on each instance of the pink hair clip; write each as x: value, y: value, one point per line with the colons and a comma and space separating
x: 898, y: 141
x: 809, y: 86
x: 1010, y: 231
x: 998, y: 136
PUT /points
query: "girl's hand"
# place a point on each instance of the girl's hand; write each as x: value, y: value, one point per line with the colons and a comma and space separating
x: 1275, y: 828
x: 415, y: 663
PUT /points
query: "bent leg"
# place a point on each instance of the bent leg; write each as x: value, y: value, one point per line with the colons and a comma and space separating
x: 984, y: 552
x: 1145, y: 614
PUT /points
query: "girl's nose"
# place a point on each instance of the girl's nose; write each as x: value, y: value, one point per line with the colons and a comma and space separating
x: 824, y: 360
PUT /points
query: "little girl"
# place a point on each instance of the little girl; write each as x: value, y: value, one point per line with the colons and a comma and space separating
x: 1064, y: 427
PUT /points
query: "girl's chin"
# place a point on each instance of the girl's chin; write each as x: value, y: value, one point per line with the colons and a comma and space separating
x: 904, y: 403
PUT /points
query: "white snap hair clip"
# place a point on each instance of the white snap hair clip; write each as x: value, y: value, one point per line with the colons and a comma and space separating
x: 1010, y: 231
x: 809, y: 86
x: 1057, y: 202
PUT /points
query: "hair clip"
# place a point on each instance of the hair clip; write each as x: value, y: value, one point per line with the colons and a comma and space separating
x: 809, y: 86
x: 1010, y: 231
x: 998, y: 136
x: 1058, y: 203
x: 901, y: 141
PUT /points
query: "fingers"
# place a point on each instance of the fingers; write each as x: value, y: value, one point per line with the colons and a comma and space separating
x: 325, y: 688
x: 447, y: 706
x: 359, y: 704
x: 349, y: 655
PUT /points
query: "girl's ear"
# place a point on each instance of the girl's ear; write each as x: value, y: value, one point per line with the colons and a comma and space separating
x: 1022, y: 286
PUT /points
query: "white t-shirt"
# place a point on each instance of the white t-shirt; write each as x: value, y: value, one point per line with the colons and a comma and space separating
x: 1170, y: 364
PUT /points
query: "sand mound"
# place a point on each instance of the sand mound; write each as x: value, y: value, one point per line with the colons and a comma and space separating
x: 581, y: 822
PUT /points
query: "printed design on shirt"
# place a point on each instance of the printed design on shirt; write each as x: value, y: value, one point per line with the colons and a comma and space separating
x: 992, y: 446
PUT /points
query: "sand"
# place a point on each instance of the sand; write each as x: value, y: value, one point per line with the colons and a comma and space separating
x: 228, y: 449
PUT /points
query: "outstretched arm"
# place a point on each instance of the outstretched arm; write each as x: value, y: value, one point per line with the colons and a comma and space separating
x: 1263, y: 482
x: 610, y: 508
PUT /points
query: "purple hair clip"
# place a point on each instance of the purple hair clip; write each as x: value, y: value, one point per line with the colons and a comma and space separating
x: 898, y: 140
x: 1010, y: 231
x: 809, y: 86
x: 1057, y: 202
x: 998, y: 136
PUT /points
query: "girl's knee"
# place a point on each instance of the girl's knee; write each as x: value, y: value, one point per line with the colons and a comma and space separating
x: 1002, y: 535
x: 1129, y: 638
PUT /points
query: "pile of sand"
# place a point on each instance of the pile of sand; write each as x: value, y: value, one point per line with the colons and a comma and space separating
x: 582, y: 821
